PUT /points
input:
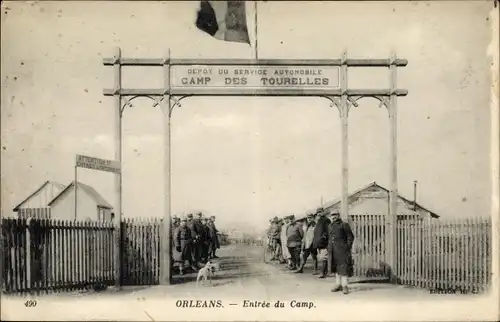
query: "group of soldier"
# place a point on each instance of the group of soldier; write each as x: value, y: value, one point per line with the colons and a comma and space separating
x: 194, y: 241
x: 318, y: 236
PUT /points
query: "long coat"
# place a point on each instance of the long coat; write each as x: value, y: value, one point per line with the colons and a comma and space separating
x: 320, y: 240
x: 213, y: 235
x: 308, y: 235
x: 295, y: 234
x: 183, y: 241
x: 176, y: 256
x: 283, y: 239
x: 340, y: 239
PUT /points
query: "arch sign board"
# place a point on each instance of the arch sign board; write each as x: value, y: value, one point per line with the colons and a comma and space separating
x: 246, y: 79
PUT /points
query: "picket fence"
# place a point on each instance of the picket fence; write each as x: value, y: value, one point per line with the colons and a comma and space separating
x: 42, y: 255
x: 447, y: 255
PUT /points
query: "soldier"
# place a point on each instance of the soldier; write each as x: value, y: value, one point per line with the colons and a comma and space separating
x: 274, y: 237
x: 176, y: 256
x: 307, y: 245
x: 295, y: 233
x: 191, y: 225
x: 200, y: 241
x: 206, y: 256
x: 214, y: 237
x: 340, y: 240
x: 182, y: 242
x: 320, y: 240
x: 284, y: 245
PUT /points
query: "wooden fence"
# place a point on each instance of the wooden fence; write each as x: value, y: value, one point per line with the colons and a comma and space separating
x: 452, y: 255
x: 42, y: 255
x: 37, y: 213
x: 140, y: 251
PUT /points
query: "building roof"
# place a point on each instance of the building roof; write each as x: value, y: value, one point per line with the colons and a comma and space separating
x: 48, y: 182
x: 98, y: 199
x: 353, y: 197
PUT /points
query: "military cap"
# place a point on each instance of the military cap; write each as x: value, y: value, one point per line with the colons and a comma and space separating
x: 204, y: 219
x: 183, y: 219
x: 190, y: 216
x: 213, y: 217
x: 174, y: 217
x: 199, y: 214
x: 335, y: 213
x: 320, y: 210
x: 310, y: 216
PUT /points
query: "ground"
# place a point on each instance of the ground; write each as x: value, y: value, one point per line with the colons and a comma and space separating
x: 243, y: 275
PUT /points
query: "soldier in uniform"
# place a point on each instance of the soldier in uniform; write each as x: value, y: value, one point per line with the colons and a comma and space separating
x: 183, y: 241
x: 214, y: 237
x: 200, y: 231
x: 341, y: 238
x: 194, y: 234
x: 284, y: 244
x: 307, y: 245
x: 274, y: 237
x: 206, y: 240
x: 320, y: 240
x: 176, y: 256
x: 295, y: 233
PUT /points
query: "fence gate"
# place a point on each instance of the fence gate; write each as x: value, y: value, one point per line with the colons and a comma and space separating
x: 140, y: 252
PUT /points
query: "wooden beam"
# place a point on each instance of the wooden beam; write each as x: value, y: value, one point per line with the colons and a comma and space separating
x: 256, y: 62
x: 254, y: 92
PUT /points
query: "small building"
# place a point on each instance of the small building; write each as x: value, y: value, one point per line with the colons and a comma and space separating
x: 372, y: 200
x: 36, y: 204
x: 90, y: 204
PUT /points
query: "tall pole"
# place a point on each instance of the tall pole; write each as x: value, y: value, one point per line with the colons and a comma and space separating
x: 344, y: 114
x: 165, y: 268
x: 256, y: 29
x: 393, y: 188
x: 118, y: 157
x: 76, y: 190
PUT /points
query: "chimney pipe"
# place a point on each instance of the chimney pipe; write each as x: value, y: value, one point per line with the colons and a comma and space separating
x: 415, y: 195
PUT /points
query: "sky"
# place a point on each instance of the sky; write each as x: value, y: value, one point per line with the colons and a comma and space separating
x: 245, y: 159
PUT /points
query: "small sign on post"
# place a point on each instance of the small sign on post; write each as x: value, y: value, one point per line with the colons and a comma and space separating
x: 92, y: 163
x: 83, y: 161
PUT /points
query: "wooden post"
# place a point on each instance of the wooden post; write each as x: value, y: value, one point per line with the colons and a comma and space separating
x: 165, y: 269
x: 393, y: 187
x: 118, y: 157
x: 76, y: 190
x: 344, y: 114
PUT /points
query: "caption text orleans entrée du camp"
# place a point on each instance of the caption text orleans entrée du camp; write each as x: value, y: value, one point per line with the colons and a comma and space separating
x: 246, y: 304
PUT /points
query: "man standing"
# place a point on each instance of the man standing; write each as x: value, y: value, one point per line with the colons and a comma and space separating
x: 191, y: 224
x: 341, y: 239
x: 214, y: 236
x: 182, y: 243
x: 307, y: 245
x: 294, y: 242
x: 284, y: 242
x: 206, y: 240
x: 320, y: 241
x: 200, y: 231
x: 274, y: 237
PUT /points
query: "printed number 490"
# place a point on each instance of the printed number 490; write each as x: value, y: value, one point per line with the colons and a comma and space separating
x: 30, y: 303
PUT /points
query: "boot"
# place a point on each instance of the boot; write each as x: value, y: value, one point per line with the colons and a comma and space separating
x: 324, y: 268
x: 345, y: 290
x: 301, y: 267
x: 337, y: 286
x: 315, y: 267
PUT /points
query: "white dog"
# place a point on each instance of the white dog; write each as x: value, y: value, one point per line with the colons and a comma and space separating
x: 206, y: 272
